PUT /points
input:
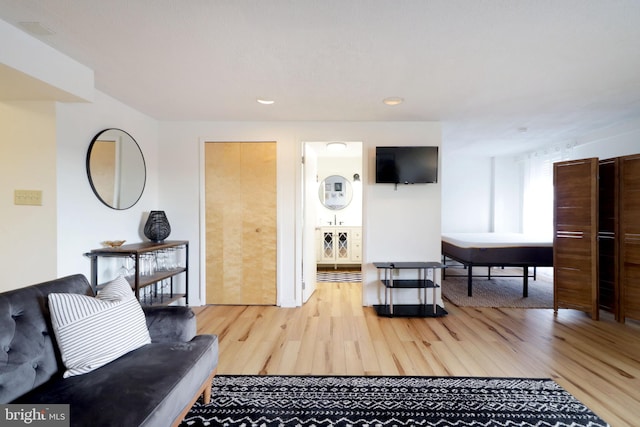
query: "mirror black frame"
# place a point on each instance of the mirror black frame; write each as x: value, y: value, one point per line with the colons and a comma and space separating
x: 100, y: 197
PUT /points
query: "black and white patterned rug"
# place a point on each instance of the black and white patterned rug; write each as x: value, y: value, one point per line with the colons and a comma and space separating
x: 339, y: 276
x: 388, y: 401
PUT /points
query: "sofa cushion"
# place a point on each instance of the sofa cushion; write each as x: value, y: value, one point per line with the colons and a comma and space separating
x: 92, y: 332
x: 28, y: 355
x: 170, y: 323
x: 146, y: 387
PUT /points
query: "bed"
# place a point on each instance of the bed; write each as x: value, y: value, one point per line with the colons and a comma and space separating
x: 497, y: 250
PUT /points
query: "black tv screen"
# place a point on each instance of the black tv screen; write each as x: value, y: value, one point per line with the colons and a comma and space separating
x: 406, y: 165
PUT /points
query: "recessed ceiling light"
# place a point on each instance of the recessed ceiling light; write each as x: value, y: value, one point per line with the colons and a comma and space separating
x: 336, y: 146
x: 393, y: 100
x: 265, y: 101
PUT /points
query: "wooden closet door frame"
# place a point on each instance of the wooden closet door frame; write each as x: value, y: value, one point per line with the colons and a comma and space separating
x: 575, y: 234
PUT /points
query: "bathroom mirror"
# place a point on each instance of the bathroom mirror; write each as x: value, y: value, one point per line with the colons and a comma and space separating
x: 116, y: 169
x: 335, y: 192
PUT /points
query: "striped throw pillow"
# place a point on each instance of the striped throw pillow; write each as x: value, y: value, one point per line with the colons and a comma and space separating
x: 92, y: 332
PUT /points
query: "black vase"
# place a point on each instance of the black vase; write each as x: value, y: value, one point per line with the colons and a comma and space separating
x: 157, y: 227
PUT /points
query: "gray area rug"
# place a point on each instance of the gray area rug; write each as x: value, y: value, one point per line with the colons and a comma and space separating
x: 499, y: 292
x: 323, y: 401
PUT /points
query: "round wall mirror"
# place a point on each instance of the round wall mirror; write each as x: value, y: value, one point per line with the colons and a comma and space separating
x: 335, y: 192
x: 116, y: 168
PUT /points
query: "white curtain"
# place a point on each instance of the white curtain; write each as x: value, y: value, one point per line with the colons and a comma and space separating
x: 538, y: 189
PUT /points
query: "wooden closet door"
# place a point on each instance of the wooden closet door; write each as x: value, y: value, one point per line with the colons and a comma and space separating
x: 575, y: 253
x: 240, y: 191
x: 630, y: 236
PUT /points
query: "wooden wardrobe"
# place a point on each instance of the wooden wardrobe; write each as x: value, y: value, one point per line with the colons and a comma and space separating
x: 597, y: 236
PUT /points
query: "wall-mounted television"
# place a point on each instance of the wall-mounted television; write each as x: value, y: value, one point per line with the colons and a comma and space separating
x: 406, y: 165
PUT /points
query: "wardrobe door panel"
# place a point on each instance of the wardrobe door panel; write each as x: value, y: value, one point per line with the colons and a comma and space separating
x: 630, y: 236
x: 575, y: 235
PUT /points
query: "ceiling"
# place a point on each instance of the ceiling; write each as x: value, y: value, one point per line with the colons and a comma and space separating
x: 503, y: 76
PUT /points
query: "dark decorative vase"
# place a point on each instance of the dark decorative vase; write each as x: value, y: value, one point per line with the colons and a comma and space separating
x: 157, y: 227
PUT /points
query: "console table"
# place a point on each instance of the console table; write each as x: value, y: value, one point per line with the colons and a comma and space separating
x: 145, y: 278
x: 388, y: 309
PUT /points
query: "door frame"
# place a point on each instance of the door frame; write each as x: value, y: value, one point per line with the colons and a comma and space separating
x: 300, y: 256
x: 309, y: 162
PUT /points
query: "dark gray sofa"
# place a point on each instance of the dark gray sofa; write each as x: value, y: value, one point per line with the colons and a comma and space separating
x: 155, y: 385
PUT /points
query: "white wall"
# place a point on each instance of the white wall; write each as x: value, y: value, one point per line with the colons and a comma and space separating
x: 620, y: 140
x: 507, y: 195
x: 83, y: 221
x: 467, y: 194
x: 397, y: 225
x: 27, y: 162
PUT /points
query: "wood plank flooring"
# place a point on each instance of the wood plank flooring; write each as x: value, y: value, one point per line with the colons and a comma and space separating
x: 596, y: 361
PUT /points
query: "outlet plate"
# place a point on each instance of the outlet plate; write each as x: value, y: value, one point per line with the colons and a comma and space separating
x: 27, y: 197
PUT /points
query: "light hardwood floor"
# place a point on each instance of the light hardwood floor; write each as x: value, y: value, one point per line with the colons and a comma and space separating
x: 596, y: 361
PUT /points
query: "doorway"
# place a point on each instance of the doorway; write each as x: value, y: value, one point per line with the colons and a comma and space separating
x: 332, y: 211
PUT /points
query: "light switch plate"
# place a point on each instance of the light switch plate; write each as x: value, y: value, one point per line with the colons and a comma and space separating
x: 27, y: 197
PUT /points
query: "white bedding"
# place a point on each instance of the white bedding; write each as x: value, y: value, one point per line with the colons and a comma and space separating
x: 494, y: 240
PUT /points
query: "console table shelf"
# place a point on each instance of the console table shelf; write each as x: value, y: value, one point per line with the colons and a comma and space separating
x: 156, y: 277
x: 388, y: 309
x: 150, y: 281
x: 409, y: 284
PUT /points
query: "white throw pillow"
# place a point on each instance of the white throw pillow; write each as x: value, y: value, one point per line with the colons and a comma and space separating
x: 92, y: 332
